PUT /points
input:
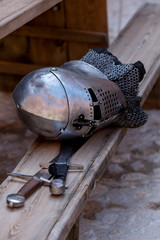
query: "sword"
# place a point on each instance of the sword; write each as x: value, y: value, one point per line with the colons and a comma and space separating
x: 55, y: 176
x: 34, y: 182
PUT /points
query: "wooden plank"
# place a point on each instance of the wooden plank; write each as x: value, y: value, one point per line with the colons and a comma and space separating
x: 85, y: 16
x: 17, y: 68
x: 63, y: 34
x: 132, y: 45
x: 57, y: 215
x: 74, y: 233
x: 32, y: 50
x: 153, y: 100
x: 14, y: 14
x: 105, y: 142
x: 48, y: 51
x: 52, y: 206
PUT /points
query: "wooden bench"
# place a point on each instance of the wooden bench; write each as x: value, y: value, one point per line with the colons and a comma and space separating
x: 52, y: 218
x: 14, y: 14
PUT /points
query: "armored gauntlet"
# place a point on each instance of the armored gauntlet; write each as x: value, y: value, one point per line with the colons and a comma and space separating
x: 127, y: 77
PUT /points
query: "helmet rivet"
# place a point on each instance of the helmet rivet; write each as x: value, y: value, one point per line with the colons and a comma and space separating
x: 54, y: 69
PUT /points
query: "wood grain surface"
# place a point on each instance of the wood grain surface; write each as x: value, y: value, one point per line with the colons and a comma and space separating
x: 48, y: 217
x: 86, y: 16
x: 14, y: 14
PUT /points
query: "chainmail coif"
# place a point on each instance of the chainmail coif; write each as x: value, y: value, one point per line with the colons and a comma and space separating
x: 127, y: 77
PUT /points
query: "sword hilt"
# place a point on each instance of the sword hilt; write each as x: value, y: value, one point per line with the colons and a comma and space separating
x: 18, y: 199
x: 57, y: 187
x: 30, y: 187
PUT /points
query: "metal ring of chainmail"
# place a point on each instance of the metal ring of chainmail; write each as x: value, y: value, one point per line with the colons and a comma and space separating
x: 127, y: 77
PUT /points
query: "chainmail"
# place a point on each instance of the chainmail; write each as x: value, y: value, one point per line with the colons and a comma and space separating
x: 127, y: 77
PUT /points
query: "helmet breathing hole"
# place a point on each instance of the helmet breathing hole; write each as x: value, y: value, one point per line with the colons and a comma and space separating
x: 97, y: 110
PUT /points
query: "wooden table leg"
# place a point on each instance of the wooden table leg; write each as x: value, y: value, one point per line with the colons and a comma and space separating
x: 74, y: 233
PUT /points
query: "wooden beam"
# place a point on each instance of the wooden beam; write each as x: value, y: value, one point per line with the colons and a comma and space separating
x: 153, y: 100
x: 85, y: 16
x: 74, y: 233
x: 14, y: 14
x: 63, y: 34
x: 48, y: 51
x: 17, y: 68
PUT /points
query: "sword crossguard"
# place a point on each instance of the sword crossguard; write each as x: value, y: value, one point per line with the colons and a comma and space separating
x: 72, y: 167
x: 21, y: 176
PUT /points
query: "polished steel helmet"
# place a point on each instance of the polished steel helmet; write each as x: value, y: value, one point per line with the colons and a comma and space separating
x: 69, y: 101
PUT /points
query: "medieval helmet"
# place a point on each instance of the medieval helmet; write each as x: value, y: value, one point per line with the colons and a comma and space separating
x: 69, y: 101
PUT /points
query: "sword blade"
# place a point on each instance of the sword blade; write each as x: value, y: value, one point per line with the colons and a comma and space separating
x: 21, y: 176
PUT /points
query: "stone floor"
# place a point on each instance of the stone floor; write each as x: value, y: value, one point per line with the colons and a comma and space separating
x: 125, y: 205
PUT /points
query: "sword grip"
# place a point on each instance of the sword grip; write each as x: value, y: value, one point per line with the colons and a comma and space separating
x: 31, y: 186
